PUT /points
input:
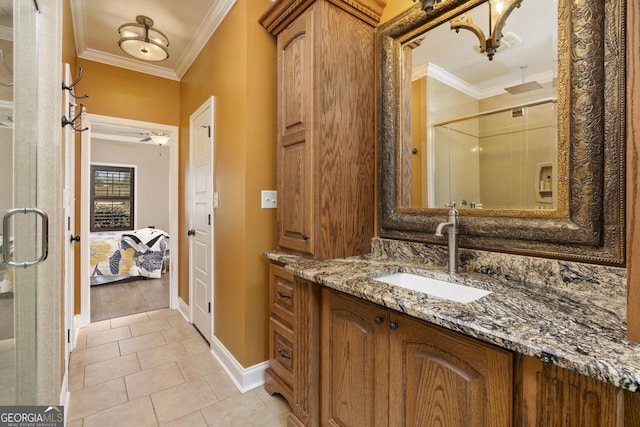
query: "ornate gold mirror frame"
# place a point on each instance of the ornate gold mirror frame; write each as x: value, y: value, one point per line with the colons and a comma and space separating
x: 591, y: 225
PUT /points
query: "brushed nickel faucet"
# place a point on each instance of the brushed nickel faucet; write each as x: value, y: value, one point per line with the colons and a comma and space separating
x: 451, y: 227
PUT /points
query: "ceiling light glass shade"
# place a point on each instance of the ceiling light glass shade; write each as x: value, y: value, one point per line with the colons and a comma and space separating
x: 159, y: 139
x: 142, y: 41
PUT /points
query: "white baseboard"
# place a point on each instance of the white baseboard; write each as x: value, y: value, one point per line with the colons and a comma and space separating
x: 245, y: 379
x: 65, y: 395
x: 183, y: 308
x: 77, y: 319
x: 81, y: 320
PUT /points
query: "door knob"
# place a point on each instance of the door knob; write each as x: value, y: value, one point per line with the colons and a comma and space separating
x: 191, y: 232
x: 74, y: 238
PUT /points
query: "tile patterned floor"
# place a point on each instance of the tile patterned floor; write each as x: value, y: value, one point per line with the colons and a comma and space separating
x: 128, y: 296
x: 154, y: 369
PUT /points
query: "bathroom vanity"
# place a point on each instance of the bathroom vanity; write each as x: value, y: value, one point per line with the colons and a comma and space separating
x: 547, y: 344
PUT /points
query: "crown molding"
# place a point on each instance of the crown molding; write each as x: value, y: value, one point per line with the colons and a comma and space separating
x: 209, y: 25
x: 78, y: 18
x: 442, y: 75
x: 130, y: 64
x: 449, y: 79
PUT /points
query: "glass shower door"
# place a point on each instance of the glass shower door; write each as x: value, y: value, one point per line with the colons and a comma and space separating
x: 23, y: 232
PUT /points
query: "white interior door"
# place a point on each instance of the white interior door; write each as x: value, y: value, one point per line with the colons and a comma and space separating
x: 201, y: 218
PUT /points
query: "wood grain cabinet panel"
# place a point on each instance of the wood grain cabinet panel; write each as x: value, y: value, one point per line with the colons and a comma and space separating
x: 381, y: 368
x: 295, y: 158
x: 281, y: 294
x: 440, y: 377
x: 325, y: 124
x: 279, y: 376
x: 549, y: 395
x: 355, y: 345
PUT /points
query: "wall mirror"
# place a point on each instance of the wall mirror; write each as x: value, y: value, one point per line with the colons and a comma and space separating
x: 524, y: 133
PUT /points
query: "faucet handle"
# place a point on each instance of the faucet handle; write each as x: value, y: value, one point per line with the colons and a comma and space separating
x: 453, y: 213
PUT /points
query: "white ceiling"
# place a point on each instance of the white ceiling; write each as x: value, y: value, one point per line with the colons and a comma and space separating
x: 188, y: 24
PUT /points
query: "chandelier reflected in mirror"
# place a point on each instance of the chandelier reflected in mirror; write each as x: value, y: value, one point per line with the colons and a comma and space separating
x: 142, y: 41
x: 499, y: 11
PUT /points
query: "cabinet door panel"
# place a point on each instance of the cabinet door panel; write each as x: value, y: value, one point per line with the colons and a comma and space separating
x: 354, y: 386
x: 294, y: 212
x: 439, y: 377
x: 440, y: 386
x: 295, y: 147
x: 556, y: 396
x: 294, y: 71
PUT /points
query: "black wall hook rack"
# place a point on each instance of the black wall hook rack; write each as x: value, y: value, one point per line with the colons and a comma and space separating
x: 70, y: 87
x: 73, y: 121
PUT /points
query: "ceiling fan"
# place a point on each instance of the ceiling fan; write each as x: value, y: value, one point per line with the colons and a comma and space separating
x: 159, y: 138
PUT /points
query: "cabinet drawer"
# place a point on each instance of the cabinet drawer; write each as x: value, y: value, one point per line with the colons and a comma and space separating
x: 281, y: 349
x: 281, y: 291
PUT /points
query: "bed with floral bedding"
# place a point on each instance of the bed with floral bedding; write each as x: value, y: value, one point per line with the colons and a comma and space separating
x: 116, y: 255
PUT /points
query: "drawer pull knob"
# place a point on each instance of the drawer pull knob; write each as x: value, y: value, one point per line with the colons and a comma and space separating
x: 393, y: 326
x: 283, y: 354
x: 378, y: 320
x: 283, y: 295
x: 305, y: 237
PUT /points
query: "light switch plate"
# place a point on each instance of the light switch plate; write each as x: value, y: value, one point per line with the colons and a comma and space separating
x: 269, y: 199
x: 215, y: 200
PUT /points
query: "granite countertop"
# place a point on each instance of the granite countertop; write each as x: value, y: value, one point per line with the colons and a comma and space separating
x: 569, y: 314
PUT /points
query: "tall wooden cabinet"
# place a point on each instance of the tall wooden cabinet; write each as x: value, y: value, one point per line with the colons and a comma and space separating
x: 326, y: 124
x: 325, y: 158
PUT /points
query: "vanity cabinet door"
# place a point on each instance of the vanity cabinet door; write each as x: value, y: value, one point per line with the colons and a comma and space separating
x: 379, y: 367
x: 440, y: 377
x: 295, y: 159
x: 549, y: 395
x: 354, y: 361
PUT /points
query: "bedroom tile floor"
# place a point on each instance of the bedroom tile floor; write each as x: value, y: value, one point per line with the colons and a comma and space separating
x: 155, y: 369
x: 128, y: 297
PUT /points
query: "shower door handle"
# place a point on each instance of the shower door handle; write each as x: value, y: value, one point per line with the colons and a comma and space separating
x: 44, y: 239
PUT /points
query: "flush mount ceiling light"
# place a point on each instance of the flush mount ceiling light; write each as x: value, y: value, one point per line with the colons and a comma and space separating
x: 499, y: 11
x: 142, y: 41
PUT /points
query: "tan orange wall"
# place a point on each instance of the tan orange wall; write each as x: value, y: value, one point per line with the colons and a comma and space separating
x: 68, y: 41
x: 237, y: 66
x: 394, y: 7
x: 119, y: 92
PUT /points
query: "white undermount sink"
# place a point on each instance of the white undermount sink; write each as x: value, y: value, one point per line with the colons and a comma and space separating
x: 434, y: 287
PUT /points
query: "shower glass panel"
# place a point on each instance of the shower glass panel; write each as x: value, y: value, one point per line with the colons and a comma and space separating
x: 504, y: 159
x: 18, y: 239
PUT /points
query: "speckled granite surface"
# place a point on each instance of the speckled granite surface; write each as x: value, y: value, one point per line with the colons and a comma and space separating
x: 566, y: 313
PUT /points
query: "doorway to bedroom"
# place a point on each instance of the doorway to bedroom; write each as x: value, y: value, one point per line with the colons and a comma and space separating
x: 129, y: 215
